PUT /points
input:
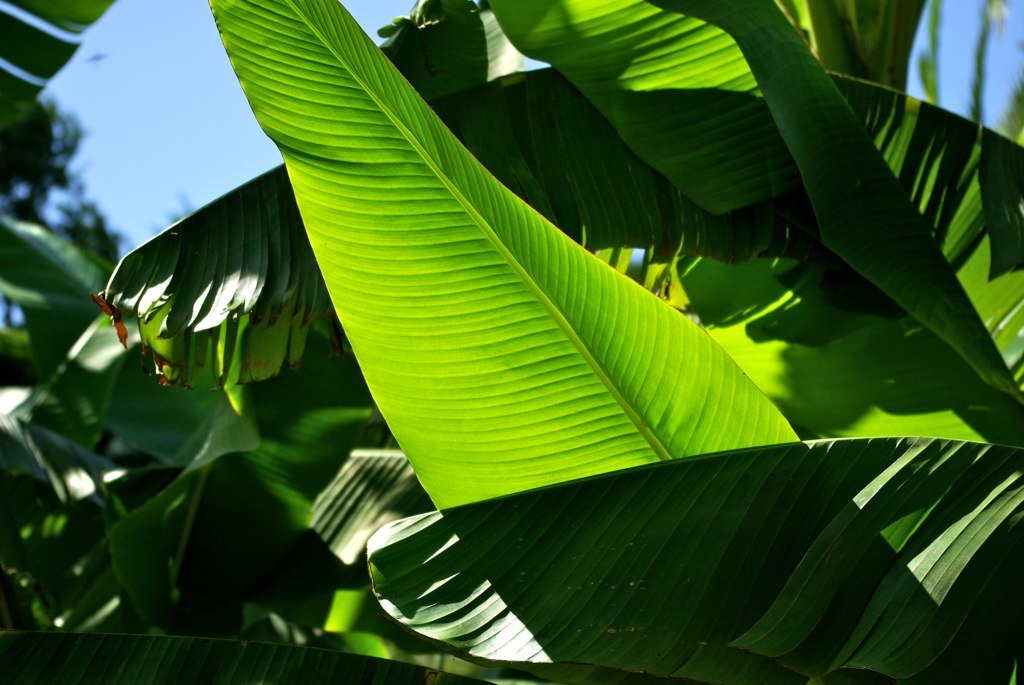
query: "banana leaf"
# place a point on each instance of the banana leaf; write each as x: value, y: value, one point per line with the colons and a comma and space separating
x: 852, y: 561
x: 459, y: 300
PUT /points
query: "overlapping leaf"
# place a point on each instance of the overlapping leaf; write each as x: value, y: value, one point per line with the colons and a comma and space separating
x: 78, y: 659
x: 40, y: 36
x: 769, y: 565
x: 677, y: 90
x: 371, y: 489
x: 863, y: 213
x: 561, y: 33
x: 838, y: 359
x: 534, y: 132
x: 464, y: 306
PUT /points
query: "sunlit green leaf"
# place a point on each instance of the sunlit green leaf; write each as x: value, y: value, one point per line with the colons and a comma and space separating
x: 461, y: 303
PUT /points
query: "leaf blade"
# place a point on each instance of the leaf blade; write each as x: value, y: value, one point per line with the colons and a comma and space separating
x: 462, y: 310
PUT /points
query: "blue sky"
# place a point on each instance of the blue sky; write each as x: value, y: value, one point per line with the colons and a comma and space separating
x: 168, y: 128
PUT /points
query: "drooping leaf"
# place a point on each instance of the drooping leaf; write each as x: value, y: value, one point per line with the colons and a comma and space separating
x: 40, y: 36
x: 863, y: 213
x: 769, y: 565
x: 460, y: 301
x: 78, y: 659
x: 233, y: 286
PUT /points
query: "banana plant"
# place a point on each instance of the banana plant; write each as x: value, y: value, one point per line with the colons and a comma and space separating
x: 613, y: 483
x: 420, y: 248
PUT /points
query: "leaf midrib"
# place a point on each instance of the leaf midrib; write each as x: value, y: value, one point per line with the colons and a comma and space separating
x: 656, y: 444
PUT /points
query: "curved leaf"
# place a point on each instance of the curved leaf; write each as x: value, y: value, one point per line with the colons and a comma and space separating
x: 40, y: 36
x: 863, y: 213
x: 77, y: 659
x: 211, y: 289
x: 769, y: 565
x: 461, y: 303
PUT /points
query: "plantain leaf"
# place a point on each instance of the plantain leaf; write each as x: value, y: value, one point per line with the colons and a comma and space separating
x: 77, y: 659
x: 40, y: 36
x: 769, y: 565
x: 462, y: 303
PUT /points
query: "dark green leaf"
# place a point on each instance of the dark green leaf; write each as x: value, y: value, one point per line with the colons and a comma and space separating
x: 769, y: 565
x: 863, y: 213
x: 81, y: 659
